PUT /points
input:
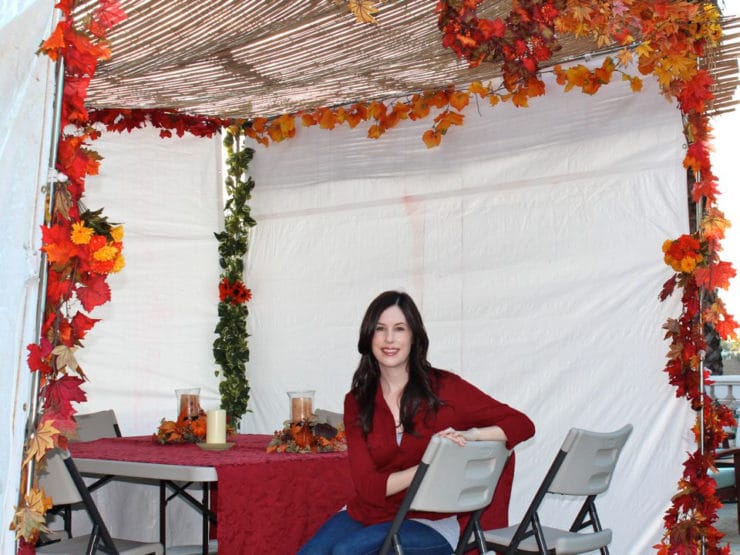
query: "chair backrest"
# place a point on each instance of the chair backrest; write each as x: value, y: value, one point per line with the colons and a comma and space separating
x: 56, y: 481
x: 62, y: 482
x: 96, y: 425
x: 589, y: 461
x: 459, y: 479
x: 330, y: 417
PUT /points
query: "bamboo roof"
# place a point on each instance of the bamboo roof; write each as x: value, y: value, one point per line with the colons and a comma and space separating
x: 249, y: 58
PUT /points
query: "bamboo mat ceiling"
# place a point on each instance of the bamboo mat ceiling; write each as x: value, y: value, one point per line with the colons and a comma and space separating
x: 250, y: 58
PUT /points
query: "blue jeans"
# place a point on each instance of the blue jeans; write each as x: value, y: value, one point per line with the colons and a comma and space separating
x: 342, y: 535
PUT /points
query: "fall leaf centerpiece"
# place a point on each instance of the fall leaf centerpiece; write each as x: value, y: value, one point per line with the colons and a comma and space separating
x: 186, y: 429
x: 308, y: 436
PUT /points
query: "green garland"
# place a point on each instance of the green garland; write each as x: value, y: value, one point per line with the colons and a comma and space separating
x: 230, y: 348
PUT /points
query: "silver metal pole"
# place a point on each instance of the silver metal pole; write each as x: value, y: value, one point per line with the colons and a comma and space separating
x: 48, y: 189
x: 699, y: 211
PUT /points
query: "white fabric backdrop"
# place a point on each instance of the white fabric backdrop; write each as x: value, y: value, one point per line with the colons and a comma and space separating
x: 26, y: 94
x: 530, y: 240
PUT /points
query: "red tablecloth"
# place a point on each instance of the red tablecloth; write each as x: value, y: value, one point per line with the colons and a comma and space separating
x: 266, y: 503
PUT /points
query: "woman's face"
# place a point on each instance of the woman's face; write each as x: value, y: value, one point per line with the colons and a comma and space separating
x: 392, y: 340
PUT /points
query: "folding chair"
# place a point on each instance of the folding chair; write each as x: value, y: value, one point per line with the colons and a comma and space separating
x: 90, y: 426
x: 96, y: 425
x: 451, y: 479
x: 583, y: 467
x: 62, y: 482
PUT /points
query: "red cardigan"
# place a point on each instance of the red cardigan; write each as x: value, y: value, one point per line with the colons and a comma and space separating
x: 373, y: 458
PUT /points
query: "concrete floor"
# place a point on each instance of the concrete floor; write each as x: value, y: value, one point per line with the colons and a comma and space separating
x: 727, y: 523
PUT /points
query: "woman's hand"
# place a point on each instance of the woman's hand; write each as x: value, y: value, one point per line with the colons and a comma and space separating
x: 459, y: 436
x: 490, y: 433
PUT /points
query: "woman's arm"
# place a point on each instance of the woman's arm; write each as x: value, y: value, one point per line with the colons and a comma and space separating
x: 399, y: 481
x: 461, y: 437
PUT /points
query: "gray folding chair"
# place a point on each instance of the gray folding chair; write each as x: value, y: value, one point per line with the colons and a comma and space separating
x: 583, y: 467
x: 62, y: 482
x: 451, y: 479
x: 90, y: 426
x: 96, y: 425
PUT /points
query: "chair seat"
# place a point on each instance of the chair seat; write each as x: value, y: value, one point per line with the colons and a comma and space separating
x: 192, y: 549
x: 562, y: 541
x: 725, y: 477
x: 78, y: 544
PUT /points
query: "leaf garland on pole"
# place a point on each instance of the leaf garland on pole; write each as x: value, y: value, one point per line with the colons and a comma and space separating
x: 81, y: 248
x: 230, y: 348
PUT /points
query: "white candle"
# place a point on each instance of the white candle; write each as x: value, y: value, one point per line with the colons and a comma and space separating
x: 216, y: 426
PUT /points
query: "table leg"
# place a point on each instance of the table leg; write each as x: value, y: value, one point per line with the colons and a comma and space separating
x: 206, y: 507
x: 163, y: 514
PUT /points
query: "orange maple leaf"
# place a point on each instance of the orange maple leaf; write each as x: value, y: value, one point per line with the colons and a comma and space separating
x: 432, y: 138
x: 375, y: 132
x: 714, y: 223
x: 55, y: 43
x: 520, y: 98
x: 476, y: 87
x: 307, y: 120
x: 459, y: 100
x: 715, y: 276
x: 327, y: 120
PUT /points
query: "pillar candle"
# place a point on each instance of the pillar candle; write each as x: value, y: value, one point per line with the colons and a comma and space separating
x: 216, y: 426
x: 301, y: 408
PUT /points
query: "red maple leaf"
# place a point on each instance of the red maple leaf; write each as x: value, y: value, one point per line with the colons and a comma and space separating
x: 58, y: 246
x: 697, y: 157
x: 75, y: 91
x: 726, y: 327
x: 707, y: 187
x: 36, y: 358
x: 81, y: 324
x: 696, y: 92
x: 58, y: 288
x: 668, y: 288
x: 64, y: 391
x: 63, y: 417
x: 715, y: 276
x: 108, y: 14
x: 95, y: 292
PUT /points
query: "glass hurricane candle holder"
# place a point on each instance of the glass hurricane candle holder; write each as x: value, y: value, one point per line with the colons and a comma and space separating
x: 301, y: 405
x: 188, y: 402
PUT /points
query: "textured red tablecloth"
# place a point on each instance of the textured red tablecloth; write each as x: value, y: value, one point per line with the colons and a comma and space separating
x: 266, y: 503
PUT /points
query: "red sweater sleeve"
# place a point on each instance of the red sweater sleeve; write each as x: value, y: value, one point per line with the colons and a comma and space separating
x: 470, y: 407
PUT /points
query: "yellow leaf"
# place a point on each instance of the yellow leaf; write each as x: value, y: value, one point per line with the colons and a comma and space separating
x: 41, y: 441
x: 37, y: 501
x: 65, y: 357
x: 625, y: 57
x: 29, y: 520
x: 643, y: 49
x: 714, y: 224
x: 363, y: 10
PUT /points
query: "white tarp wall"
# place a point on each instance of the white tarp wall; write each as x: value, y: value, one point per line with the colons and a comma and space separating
x: 26, y: 91
x: 530, y: 240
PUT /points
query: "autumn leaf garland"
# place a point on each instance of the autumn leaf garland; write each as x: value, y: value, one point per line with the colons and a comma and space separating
x: 82, y: 248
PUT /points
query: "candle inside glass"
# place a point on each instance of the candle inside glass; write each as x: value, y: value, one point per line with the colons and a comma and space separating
x: 216, y: 426
x: 188, y: 404
x: 301, y: 405
x: 301, y: 409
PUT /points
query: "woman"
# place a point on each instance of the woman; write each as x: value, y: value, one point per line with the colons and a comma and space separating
x: 397, y: 402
